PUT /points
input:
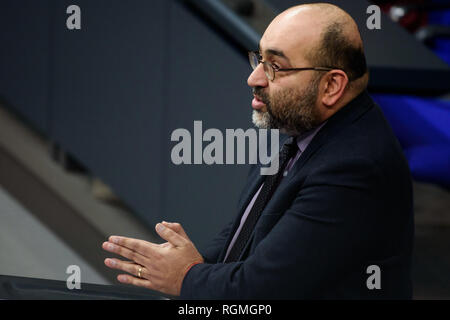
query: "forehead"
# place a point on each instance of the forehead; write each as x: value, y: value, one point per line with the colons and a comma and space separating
x: 293, y: 34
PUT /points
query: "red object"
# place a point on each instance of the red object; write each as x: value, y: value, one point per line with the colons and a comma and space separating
x: 411, y: 21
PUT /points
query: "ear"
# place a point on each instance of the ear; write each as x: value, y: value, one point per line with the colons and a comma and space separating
x: 334, y: 85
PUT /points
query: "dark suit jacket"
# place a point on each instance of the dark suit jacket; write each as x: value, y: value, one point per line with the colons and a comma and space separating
x: 346, y: 204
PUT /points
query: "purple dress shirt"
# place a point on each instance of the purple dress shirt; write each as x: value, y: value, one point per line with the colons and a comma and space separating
x: 302, y: 142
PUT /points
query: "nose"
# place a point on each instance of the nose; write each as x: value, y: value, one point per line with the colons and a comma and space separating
x: 258, y: 78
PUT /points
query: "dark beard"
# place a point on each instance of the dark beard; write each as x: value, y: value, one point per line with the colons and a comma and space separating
x: 291, y: 111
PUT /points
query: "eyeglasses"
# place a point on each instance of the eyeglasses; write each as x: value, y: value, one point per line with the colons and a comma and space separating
x: 269, y: 69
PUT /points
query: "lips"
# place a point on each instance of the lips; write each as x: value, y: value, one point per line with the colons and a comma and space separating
x: 257, y: 103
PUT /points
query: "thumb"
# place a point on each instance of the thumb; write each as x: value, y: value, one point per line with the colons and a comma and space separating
x: 176, y: 227
x: 171, y: 236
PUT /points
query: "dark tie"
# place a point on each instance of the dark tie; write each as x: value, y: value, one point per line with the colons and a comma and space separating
x: 271, y: 182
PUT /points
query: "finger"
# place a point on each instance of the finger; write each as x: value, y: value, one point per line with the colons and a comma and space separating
x: 176, y: 227
x: 125, y: 252
x: 124, y: 278
x: 137, y: 245
x: 126, y: 266
x: 170, y: 235
x: 131, y: 267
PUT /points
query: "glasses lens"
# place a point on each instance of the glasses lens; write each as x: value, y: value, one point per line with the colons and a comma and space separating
x: 253, y: 58
x: 268, y: 70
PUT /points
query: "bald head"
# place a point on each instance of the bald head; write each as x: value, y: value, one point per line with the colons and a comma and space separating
x: 320, y: 16
x: 326, y: 36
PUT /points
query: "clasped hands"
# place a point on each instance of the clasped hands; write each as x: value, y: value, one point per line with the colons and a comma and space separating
x: 159, y: 267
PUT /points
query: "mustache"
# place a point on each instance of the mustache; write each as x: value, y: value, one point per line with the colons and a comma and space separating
x: 258, y: 91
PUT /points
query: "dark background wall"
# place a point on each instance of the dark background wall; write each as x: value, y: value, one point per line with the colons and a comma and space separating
x: 25, y: 58
x: 108, y: 106
x: 111, y: 94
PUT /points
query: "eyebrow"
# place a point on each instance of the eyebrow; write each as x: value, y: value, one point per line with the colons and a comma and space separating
x: 274, y: 52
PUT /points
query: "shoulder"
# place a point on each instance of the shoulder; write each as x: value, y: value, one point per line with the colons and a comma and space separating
x: 368, y: 140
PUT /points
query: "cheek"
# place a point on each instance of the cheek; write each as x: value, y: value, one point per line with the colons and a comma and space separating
x: 284, y: 88
x: 279, y: 97
x: 273, y: 95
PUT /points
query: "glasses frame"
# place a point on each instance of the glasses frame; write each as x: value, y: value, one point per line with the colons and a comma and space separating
x: 267, y: 65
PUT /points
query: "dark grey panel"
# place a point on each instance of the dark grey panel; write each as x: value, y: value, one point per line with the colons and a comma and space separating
x: 24, y: 58
x: 22, y: 288
x: 108, y: 85
x: 208, y: 83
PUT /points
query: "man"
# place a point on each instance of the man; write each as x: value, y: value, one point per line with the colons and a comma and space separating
x: 339, y: 223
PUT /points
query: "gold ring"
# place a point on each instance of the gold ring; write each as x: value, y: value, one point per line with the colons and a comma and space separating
x: 139, y: 272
